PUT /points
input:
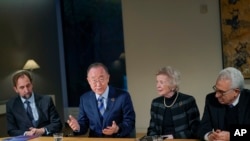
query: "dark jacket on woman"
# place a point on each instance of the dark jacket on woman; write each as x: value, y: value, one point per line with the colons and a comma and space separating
x: 185, y: 116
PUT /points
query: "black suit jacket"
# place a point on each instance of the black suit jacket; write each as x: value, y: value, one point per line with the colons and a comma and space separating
x: 214, y: 113
x: 18, y: 121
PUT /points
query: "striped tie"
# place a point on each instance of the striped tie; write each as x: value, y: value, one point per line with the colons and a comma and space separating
x: 29, y: 111
x: 101, y: 105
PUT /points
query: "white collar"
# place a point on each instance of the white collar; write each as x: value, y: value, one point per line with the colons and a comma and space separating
x: 236, y: 101
x: 105, y: 94
x: 31, y: 99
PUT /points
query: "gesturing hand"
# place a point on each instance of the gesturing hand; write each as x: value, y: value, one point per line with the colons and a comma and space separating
x: 111, y: 129
x: 73, y: 123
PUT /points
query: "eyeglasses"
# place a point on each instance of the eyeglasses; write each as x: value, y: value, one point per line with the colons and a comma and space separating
x: 100, y: 80
x: 220, y: 91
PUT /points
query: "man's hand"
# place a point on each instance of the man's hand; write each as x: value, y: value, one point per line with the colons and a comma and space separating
x: 35, y: 131
x: 29, y: 133
x: 73, y: 123
x: 219, y: 135
x: 110, y: 130
x: 169, y: 136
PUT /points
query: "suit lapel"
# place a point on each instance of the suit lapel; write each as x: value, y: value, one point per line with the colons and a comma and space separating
x: 20, y: 109
x: 39, y: 111
x: 93, y: 104
x: 110, y: 104
x: 221, y: 117
x: 242, y: 108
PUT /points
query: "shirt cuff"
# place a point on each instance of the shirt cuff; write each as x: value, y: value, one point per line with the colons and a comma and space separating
x: 46, y: 131
x: 206, y: 135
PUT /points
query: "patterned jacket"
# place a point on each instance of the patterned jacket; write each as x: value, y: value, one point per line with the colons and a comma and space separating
x: 185, y: 116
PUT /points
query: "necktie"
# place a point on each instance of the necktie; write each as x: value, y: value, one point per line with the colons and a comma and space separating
x: 231, y: 106
x: 29, y: 111
x: 101, y: 105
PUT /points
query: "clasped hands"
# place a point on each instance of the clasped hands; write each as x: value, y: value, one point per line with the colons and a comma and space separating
x: 109, y: 130
x: 35, y: 131
x: 219, y: 135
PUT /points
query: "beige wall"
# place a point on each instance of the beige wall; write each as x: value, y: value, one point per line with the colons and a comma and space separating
x: 160, y: 33
x: 170, y: 32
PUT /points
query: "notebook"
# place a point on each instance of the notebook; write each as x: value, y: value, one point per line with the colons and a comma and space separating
x: 20, y: 138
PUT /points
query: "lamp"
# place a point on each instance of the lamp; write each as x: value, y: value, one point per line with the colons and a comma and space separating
x: 30, y: 65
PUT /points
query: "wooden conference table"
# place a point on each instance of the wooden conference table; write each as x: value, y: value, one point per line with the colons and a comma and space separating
x: 98, y: 139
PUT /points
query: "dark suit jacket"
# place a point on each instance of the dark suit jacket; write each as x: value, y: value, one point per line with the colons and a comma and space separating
x: 119, y: 109
x: 214, y: 113
x: 18, y: 121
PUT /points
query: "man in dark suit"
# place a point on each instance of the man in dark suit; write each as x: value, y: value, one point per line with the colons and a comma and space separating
x: 111, y: 116
x: 29, y: 113
x: 228, y: 105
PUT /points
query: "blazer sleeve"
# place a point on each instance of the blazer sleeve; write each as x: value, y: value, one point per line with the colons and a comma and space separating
x: 128, y: 123
x: 48, y: 116
x: 206, y: 123
x: 14, y: 128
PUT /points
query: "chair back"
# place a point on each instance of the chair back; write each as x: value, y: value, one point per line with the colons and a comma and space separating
x: 132, y: 133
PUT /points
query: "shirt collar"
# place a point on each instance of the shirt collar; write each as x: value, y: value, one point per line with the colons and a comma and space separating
x: 236, y: 101
x: 31, y: 99
x: 105, y: 94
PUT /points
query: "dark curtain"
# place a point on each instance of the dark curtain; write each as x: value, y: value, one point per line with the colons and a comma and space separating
x: 92, y: 32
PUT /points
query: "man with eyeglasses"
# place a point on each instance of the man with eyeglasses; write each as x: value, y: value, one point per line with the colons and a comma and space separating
x: 105, y: 111
x: 228, y: 105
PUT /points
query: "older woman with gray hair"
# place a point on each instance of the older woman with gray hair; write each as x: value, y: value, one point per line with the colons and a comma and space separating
x: 173, y: 114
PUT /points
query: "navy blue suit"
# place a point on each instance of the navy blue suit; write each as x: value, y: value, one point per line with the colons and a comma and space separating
x: 18, y: 121
x: 119, y: 109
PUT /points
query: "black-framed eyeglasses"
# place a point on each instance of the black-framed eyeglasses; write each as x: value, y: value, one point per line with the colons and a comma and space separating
x: 220, y: 91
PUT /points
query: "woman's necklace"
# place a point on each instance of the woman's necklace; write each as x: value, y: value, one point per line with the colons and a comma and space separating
x: 172, y: 102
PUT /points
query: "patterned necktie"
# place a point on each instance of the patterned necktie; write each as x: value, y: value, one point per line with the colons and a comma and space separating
x: 29, y: 111
x: 101, y: 105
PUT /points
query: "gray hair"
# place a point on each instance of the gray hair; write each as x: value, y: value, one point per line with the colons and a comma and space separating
x: 234, y: 75
x: 173, y: 74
